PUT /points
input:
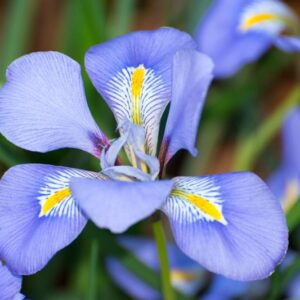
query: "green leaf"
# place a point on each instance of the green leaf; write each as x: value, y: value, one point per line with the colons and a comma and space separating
x: 92, y: 287
x: 251, y: 147
x: 17, y: 26
x: 123, y: 17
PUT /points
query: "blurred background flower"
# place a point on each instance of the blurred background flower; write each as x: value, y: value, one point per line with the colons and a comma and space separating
x: 240, y: 129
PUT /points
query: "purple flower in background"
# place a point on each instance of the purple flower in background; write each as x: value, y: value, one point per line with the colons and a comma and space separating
x: 225, y: 222
x: 285, y: 182
x: 10, y: 285
x: 186, y: 275
x: 235, y: 33
x: 293, y: 290
x: 227, y: 289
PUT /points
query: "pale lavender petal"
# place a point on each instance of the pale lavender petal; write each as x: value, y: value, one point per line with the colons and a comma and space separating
x: 38, y: 215
x: 43, y: 106
x: 10, y: 285
x: 192, y: 75
x: 133, y: 74
x: 230, y: 223
x: 117, y: 205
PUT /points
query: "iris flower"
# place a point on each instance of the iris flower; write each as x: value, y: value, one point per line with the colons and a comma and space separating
x: 285, y: 182
x: 186, y: 275
x: 10, y: 285
x: 235, y: 33
x: 229, y: 223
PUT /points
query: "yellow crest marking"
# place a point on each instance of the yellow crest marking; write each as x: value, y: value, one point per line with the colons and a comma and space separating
x: 54, y: 199
x: 256, y: 19
x: 137, y: 80
x: 179, y: 275
x: 201, y: 203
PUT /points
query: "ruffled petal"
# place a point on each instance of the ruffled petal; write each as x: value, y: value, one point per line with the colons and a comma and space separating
x: 133, y: 74
x: 192, y: 75
x: 117, y: 205
x: 43, y: 106
x: 230, y: 223
x: 38, y: 215
x: 218, y: 36
x: 10, y: 285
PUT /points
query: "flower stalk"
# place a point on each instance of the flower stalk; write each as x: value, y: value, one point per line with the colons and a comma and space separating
x: 161, y: 244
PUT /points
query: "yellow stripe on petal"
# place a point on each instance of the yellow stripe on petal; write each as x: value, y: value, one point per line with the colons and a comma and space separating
x: 137, y: 80
x: 54, y: 199
x: 257, y: 19
x: 183, y: 276
x: 207, y: 207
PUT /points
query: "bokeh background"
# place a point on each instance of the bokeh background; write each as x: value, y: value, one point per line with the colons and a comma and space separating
x: 240, y: 126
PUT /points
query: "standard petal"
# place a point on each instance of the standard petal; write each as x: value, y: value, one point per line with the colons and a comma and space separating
x: 192, y: 75
x: 133, y: 74
x: 219, y: 37
x: 117, y: 205
x: 43, y: 106
x: 38, y: 215
x: 10, y: 285
x: 230, y: 223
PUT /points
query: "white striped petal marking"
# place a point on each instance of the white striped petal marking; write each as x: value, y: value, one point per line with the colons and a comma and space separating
x: 55, y: 196
x: 268, y: 16
x: 194, y: 199
x: 139, y: 94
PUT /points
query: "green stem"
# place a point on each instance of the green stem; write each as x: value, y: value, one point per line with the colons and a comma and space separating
x: 92, y: 291
x: 163, y: 259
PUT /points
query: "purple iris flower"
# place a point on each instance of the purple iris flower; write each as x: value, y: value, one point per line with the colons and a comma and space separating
x: 10, y: 285
x: 235, y: 33
x: 186, y: 275
x: 285, y: 182
x: 225, y: 222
